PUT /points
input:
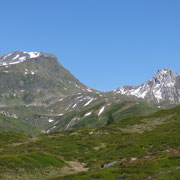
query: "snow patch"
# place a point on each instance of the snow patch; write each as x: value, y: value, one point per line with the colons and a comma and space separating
x: 15, y: 57
x: 74, y: 106
x: 88, y: 102
x: 101, y: 111
x: 139, y: 92
x: 22, y: 58
x: 89, y: 90
x: 157, y: 94
x: 77, y: 85
x: 7, y: 56
x: 60, y: 114
x: 79, y: 97
x: 72, y: 121
x: 68, y: 107
x: 51, y: 120
x: 88, y: 114
x: 33, y: 54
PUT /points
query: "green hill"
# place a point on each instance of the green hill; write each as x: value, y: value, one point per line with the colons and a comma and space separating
x: 89, y: 117
x: 8, y: 124
x: 137, y: 147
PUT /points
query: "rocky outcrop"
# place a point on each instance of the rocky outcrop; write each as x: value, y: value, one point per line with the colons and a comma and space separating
x: 165, y: 86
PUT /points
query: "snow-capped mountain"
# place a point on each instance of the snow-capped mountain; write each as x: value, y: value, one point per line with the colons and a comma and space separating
x: 18, y: 57
x: 165, y: 86
x: 35, y: 78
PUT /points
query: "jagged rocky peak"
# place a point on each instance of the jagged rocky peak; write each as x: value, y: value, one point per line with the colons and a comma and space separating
x: 163, y: 87
x: 166, y: 77
x: 20, y: 56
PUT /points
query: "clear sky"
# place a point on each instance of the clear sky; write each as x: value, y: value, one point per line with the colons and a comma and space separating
x: 105, y: 43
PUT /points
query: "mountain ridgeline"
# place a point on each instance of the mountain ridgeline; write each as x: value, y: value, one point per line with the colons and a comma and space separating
x: 34, y: 78
x: 37, y: 89
x: 164, y: 87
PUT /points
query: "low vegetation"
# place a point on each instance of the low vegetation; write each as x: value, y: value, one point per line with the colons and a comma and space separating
x: 9, y: 124
x: 151, y: 150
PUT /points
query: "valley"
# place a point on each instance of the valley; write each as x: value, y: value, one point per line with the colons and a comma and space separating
x: 54, y: 127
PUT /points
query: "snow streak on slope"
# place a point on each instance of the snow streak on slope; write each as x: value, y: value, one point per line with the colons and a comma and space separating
x: 19, y: 57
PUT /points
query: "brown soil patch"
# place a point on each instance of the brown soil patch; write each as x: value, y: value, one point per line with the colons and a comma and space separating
x: 102, y: 145
x: 77, y: 166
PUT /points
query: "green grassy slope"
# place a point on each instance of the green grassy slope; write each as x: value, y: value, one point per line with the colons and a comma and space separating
x: 8, y: 124
x: 36, y: 81
x: 144, y: 147
x: 39, y: 116
x: 117, y: 110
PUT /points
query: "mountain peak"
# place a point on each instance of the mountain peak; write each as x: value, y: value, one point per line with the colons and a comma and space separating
x: 163, y: 87
x: 165, y: 77
x: 167, y: 71
x: 21, y: 56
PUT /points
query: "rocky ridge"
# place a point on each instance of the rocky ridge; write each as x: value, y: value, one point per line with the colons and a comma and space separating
x: 165, y: 86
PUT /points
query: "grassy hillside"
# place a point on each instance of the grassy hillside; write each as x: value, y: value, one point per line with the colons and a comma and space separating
x: 36, y: 81
x: 138, y: 147
x: 76, y: 118
x: 8, y: 124
x: 79, y: 118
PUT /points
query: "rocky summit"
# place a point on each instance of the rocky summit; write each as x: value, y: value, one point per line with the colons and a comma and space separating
x: 164, y: 87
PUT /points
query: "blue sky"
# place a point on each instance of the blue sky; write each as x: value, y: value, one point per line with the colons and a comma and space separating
x: 105, y: 43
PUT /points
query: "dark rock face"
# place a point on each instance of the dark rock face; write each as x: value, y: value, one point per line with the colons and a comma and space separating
x: 165, y: 86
